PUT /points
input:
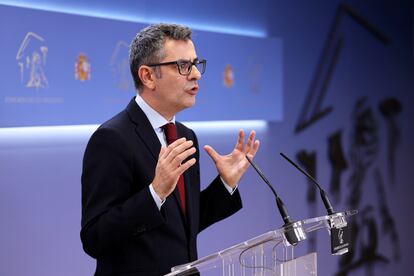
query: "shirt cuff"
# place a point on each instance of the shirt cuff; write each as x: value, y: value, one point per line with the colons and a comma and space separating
x: 156, y: 198
x: 228, y: 187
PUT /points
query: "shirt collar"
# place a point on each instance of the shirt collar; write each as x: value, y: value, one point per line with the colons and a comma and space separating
x: 155, y: 118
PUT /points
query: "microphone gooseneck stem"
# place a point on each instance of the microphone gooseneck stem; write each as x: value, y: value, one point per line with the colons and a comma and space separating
x: 322, y: 192
x: 280, y: 205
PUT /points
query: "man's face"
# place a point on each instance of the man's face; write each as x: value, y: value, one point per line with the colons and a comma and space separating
x: 175, y: 92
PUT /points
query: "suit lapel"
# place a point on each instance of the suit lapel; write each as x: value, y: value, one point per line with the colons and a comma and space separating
x: 146, y: 133
x: 143, y: 128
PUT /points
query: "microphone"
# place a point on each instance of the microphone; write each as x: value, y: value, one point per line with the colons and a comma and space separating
x: 338, y: 224
x: 293, y: 234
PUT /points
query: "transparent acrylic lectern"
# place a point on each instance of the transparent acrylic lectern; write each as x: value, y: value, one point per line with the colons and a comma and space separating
x: 271, y: 253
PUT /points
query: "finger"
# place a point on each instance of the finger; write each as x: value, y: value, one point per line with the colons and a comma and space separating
x: 254, y: 149
x: 182, y: 156
x: 173, y: 145
x: 250, y: 141
x: 175, y: 151
x: 177, y: 142
x: 212, y: 153
x: 162, y: 153
x: 240, y: 140
x: 185, y: 166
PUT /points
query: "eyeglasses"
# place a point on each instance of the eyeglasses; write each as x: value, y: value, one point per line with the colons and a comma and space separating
x: 185, y: 66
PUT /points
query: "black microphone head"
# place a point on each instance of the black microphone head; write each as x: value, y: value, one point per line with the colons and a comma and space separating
x: 327, y: 203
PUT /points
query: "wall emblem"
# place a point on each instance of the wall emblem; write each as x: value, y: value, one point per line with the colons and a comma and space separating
x: 82, y: 68
x: 228, y: 76
x: 31, y: 59
x: 119, y: 63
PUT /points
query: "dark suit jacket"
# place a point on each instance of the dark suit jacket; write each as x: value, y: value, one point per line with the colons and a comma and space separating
x: 122, y: 227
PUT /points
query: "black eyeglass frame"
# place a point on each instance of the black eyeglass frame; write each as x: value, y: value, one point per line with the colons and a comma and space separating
x: 180, y: 62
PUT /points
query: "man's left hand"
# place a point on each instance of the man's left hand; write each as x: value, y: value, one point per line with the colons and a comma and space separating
x: 231, y: 167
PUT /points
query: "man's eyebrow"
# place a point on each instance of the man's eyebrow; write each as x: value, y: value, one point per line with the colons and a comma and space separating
x: 184, y: 59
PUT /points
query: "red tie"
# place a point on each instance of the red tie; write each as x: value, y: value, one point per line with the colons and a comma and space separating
x: 170, y: 131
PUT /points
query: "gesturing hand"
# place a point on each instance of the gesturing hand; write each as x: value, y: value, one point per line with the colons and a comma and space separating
x: 231, y: 167
x: 170, y: 166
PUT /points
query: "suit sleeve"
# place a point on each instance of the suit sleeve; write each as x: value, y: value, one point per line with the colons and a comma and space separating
x: 112, y: 213
x: 216, y: 203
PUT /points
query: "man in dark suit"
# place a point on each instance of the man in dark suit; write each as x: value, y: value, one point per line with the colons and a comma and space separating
x: 141, y: 202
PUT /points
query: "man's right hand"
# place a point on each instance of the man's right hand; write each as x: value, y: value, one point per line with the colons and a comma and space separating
x: 170, y: 166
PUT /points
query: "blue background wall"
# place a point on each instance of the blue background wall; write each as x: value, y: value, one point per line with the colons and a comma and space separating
x: 339, y: 64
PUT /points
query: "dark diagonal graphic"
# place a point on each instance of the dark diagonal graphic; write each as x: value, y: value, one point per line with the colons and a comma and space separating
x: 313, y: 109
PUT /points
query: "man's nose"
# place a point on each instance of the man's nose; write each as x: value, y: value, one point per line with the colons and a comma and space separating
x: 195, y: 73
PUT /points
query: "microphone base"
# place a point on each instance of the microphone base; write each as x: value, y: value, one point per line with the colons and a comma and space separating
x: 294, y: 233
x: 340, y: 236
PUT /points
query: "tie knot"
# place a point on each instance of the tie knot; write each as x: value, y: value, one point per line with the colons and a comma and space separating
x: 170, y: 131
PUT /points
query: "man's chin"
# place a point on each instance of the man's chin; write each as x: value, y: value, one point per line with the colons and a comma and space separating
x: 188, y: 104
x: 190, y: 101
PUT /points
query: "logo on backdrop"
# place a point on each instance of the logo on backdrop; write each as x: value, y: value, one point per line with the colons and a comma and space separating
x: 228, y: 76
x: 82, y: 68
x: 31, y: 60
x: 119, y: 63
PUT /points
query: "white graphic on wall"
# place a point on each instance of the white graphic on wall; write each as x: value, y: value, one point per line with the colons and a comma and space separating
x: 31, y: 59
x: 255, y: 69
x: 120, y: 65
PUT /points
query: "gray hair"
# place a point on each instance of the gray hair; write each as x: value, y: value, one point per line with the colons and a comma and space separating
x: 148, y: 45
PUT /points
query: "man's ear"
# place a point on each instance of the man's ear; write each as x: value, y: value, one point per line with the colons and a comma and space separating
x: 147, y: 76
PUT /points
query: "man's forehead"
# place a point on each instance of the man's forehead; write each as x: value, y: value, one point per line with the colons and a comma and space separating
x: 179, y: 49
